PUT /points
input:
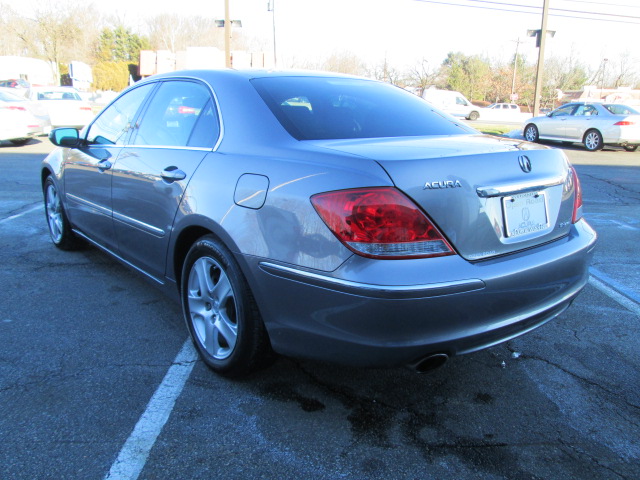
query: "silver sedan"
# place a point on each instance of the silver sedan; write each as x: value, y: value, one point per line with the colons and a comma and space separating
x: 592, y: 124
x: 321, y: 216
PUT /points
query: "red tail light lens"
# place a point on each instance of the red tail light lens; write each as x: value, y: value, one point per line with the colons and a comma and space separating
x: 86, y: 109
x: 380, y: 222
x: 624, y: 123
x: 577, y: 199
x: 15, y: 107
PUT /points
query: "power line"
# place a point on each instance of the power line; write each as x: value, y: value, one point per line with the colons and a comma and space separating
x: 582, y: 12
x: 534, y: 13
x: 603, y: 3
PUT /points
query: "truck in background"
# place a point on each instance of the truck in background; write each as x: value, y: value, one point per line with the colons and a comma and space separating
x: 451, y: 102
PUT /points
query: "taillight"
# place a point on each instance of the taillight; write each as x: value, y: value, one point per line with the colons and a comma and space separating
x: 15, y: 107
x: 624, y: 123
x: 87, y: 109
x: 380, y: 222
x: 577, y: 198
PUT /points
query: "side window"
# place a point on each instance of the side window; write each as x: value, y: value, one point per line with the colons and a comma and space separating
x: 585, y: 111
x: 563, y: 111
x: 112, y: 125
x: 180, y: 114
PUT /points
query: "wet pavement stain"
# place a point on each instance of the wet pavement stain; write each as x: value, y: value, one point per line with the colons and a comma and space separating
x: 286, y: 393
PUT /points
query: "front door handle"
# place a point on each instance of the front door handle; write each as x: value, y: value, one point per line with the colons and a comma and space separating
x: 104, y: 165
x: 173, y: 174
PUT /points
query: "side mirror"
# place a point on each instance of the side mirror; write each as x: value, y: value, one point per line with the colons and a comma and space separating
x: 65, y: 137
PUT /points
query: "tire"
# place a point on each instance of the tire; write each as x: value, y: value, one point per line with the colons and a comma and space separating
x: 18, y: 142
x: 220, y: 311
x: 59, y: 227
x: 474, y: 116
x: 593, y: 140
x: 531, y: 133
x: 631, y: 148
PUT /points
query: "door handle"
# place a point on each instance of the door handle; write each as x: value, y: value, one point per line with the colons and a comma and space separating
x: 173, y: 174
x: 104, y: 165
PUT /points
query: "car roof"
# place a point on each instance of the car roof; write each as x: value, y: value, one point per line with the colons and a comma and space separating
x: 219, y: 74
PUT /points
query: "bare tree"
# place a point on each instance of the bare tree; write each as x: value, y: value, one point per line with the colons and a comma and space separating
x: 623, y: 71
x: 55, y: 34
x: 423, y: 74
x: 176, y: 32
x: 344, y: 62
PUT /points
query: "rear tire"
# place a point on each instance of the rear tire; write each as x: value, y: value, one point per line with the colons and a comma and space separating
x: 631, y: 148
x: 220, y: 311
x: 531, y: 133
x: 593, y: 140
x: 18, y: 142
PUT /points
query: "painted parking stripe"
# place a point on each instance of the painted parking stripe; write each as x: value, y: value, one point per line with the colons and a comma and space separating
x: 135, y: 451
x: 609, y: 291
x: 21, y: 214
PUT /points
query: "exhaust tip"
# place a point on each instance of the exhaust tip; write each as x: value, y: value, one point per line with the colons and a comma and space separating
x: 429, y: 363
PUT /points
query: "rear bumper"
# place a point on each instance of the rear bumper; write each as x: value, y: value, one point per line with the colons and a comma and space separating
x: 394, y: 312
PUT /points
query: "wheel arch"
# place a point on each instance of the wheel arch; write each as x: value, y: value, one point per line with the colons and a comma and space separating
x: 592, y: 129
x: 186, y: 237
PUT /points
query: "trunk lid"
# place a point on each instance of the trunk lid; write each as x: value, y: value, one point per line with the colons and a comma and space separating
x: 489, y: 196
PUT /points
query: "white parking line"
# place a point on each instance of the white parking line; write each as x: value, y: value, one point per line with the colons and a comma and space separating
x: 135, y: 451
x: 21, y: 214
x: 626, y: 302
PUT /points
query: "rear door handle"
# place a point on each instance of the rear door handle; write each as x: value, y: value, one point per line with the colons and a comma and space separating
x: 173, y: 174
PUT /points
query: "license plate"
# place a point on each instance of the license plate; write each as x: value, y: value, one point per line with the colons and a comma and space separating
x: 525, y: 213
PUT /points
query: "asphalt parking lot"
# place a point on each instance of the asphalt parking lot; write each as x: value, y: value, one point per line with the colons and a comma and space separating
x: 98, y: 381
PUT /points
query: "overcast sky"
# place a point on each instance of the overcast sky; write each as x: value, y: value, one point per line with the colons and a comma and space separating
x: 404, y: 31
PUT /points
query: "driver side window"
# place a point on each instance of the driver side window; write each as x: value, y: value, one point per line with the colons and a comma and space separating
x: 563, y: 111
x: 113, y: 124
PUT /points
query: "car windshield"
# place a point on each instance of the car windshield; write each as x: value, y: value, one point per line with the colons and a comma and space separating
x: 58, y: 95
x: 312, y: 108
x: 618, y: 109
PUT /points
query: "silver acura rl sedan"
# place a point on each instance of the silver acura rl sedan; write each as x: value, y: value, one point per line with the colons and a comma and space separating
x: 321, y: 216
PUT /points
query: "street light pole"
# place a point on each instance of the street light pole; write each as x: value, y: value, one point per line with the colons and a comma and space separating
x: 271, y: 7
x: 542, y: 38
x: 227, y: 35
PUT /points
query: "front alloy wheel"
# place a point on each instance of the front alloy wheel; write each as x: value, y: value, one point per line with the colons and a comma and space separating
x: 59, y: 228
x: 593, y: 140
x: 220, y: 311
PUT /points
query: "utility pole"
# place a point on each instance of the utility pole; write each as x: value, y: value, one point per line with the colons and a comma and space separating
x: 542, y: 39
x: 227, y: 35
x: 515, y: 67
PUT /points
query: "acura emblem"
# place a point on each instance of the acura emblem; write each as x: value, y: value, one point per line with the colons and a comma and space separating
x: 525, y: 163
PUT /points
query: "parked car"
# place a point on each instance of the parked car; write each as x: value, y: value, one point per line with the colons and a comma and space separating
x: 452, y: 102
x: 592, y: 124
x: 65, y: 105
x: 20, y: 119
x: 321, y: 216
x: 19, y: 85
x: 508, y: 112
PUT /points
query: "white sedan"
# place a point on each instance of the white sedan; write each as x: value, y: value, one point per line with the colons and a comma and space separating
x: 65, y: 105
x: 592, y: 124
x: 21, y: 119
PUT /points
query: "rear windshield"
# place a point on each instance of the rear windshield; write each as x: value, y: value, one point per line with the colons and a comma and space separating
x: 618, y: 109
x: 58, y: 95
x: 314, y: 108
